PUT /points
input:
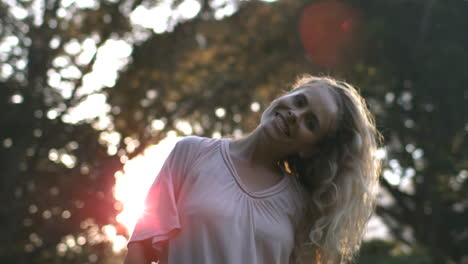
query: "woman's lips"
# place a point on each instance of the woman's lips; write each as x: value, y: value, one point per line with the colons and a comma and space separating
x: 281, y: 123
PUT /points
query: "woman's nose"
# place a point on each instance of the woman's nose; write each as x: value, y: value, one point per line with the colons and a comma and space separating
x: 292, y: 116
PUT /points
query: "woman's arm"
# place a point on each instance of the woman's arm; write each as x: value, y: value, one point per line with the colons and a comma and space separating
x: 140, y: 252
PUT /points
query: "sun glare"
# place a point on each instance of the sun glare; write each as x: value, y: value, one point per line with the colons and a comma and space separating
x: 133, y: 183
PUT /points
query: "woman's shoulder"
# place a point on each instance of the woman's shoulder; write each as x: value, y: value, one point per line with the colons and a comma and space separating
x: 300, y: 194
x: 195, y: 145
x: 196, y: 142
x: 192, y: 149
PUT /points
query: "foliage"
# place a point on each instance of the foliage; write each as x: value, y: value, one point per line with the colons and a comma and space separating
x: 389, y: 252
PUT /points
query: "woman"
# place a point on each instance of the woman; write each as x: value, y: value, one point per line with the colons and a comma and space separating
x: 299, y: 189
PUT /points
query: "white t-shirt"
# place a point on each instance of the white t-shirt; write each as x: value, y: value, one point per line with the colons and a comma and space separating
x: 199, y: 205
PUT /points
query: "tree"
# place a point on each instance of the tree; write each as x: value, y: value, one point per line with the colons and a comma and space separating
x: 380, y: 251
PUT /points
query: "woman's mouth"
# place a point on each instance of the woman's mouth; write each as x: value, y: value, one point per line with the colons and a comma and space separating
x: 281, y: 123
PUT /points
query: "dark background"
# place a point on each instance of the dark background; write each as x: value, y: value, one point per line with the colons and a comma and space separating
x: 408, y: 58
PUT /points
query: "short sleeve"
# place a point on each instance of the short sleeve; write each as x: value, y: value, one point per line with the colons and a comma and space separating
x: 160, y: 220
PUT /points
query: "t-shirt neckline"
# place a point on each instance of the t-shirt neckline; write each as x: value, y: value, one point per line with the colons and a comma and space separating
x: 272, y: 190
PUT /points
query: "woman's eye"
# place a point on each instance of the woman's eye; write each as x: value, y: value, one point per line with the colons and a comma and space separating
x: 299, y: 100
x: 310, y: 123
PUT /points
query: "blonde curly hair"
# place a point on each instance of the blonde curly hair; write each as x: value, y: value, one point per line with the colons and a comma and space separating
x: 341, y: 183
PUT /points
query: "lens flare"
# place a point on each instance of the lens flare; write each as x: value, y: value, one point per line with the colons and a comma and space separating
x: 327, y: 28
x: 132, y: 185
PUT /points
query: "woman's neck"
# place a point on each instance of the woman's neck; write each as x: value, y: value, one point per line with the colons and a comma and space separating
x: 256, y: 150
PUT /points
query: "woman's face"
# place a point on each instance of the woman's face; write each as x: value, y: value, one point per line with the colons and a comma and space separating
x: 300, y: 118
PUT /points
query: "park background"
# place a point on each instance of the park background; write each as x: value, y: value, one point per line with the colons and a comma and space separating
x: 95, y: 93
